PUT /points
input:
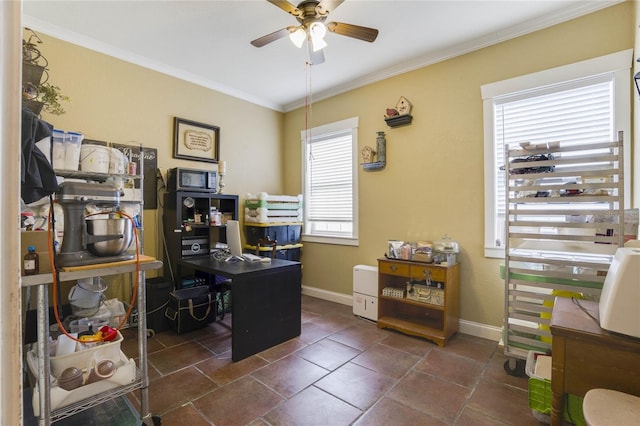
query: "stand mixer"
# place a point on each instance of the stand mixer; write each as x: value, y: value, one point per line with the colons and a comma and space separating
x: 89, y: 241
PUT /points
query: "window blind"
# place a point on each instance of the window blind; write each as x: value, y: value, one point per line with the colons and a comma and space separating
x: 329, y: 194
x: 574, y: 112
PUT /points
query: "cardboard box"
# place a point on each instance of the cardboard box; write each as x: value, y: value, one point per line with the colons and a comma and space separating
x: 40, y: 241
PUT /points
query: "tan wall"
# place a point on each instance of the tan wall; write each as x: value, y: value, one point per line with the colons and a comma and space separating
x: 433, y: 180
x: 119, y: 102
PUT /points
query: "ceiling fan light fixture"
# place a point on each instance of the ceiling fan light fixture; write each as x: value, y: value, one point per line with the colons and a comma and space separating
x: 311, y: 16
x: 298, y: 36
x: 317, y: 31
x: 318, y: 44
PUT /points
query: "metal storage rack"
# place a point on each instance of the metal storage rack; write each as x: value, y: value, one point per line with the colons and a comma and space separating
x: 564, y: 222
x: 41, y: 282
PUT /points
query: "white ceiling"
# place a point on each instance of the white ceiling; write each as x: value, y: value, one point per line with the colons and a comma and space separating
x: 207, y: 42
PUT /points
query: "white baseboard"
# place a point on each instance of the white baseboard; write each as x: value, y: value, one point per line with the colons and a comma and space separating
x: 481, y: 330
x: 467, y: 327
x: 332, y: 296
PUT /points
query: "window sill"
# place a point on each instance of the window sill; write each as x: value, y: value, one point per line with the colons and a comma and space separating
x: 494, y: 252
x: 342, y: 241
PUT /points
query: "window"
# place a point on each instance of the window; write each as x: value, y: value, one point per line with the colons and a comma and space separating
x: 330, y: 183
x: 583, y: 102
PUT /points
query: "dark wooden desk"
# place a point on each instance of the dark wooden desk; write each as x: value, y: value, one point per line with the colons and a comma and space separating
x: 584, y: 356
x: 266, y: 301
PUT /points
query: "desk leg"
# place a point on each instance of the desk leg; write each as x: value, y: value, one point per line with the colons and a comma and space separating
x: 557, y: 380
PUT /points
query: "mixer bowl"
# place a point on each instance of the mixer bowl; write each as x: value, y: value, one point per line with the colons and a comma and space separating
x: 86, y: 297
x: 120, y: 229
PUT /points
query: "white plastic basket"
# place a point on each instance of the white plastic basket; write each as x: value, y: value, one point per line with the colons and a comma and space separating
x: 82, y: 359
x: 124, y: 375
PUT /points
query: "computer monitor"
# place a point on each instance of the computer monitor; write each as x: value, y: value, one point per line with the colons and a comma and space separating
x: 233, y: 240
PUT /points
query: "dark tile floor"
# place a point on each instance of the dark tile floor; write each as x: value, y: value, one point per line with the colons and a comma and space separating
x: 341, y: 370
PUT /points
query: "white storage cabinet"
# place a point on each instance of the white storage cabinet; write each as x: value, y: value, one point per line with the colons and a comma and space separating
x: 365, y: 291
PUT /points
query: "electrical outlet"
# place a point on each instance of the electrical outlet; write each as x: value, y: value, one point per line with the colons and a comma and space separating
x: 133, y: 318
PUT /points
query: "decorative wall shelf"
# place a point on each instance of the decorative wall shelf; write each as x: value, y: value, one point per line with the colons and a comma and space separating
x: 374, y: 166
x: 399, y: 120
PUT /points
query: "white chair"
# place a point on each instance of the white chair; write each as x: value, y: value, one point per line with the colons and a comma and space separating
x: 605, y: 407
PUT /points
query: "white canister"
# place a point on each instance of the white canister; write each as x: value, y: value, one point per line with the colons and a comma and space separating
x: 72, y: 150
x: 94, y: 158
x: 57, y: 149
x: 215, y: 217
x: 117, y: 162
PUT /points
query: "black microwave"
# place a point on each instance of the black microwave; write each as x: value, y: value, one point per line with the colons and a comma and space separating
x: 180, y: 179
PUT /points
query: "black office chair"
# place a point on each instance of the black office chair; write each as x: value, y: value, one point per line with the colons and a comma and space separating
x: 267, y: 242
x: 221, y: 287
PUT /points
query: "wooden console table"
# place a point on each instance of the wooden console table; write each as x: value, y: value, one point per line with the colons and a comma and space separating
x: 434, y: 316
x: 584, y: 356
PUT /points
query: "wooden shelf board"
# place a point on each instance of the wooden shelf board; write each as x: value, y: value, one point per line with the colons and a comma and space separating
x: 143, y: 259
x: 413, y: 302
x: 399, y: 120
x: 412, y: 325
x: 86, y: 271
x: 374, y: 166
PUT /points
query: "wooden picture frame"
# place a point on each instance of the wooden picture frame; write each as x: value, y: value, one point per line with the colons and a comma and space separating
x: 195, y: 141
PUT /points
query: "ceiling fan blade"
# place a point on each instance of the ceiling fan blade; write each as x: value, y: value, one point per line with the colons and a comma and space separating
x: 355, y: 31
x: 276, y: 35
x: 286, y: 6
x: 316, y: 58
x: 327, y: 6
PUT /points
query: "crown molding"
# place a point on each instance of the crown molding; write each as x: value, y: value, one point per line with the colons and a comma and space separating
x: 572, y: 12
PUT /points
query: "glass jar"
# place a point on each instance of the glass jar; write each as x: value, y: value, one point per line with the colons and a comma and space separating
x: 31, y: 265
x: 446, y: 245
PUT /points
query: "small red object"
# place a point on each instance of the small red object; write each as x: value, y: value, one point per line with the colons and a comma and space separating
x: 108, y: 333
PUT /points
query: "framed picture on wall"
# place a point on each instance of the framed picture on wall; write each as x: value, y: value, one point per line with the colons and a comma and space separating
x: 195, y: 141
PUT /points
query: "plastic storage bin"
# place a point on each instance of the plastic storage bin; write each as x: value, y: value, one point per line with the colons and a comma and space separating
x: 540, y: 391
x: 83, y: 324
x: 158, y: 290
x: 288, y: 252
x: 284, y: 234
x: 82, y: 359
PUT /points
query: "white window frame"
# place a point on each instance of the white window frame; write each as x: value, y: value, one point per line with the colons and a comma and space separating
x: 617, y: 64
x: 350, y: 124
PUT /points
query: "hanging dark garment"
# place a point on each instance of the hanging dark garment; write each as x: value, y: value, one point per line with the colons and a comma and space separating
x: 37, y: 175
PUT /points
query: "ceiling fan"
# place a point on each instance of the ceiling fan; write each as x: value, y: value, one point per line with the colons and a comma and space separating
x: 311, y: 15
